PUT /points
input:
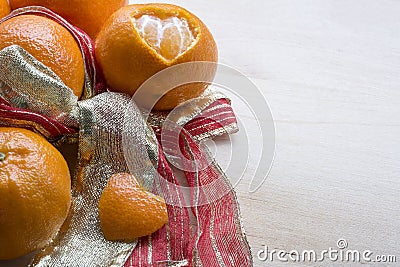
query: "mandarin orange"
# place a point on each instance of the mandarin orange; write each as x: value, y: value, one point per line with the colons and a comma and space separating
x: 35, y: 192
x: 48, y: 42
x: 4, y: 8
x: 140, y: 40
x: 127, y: 211
x: 88, y: 15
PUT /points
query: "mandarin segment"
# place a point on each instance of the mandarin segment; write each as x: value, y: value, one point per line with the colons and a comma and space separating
x: 88, y: 15
x: 50, y: 43
x: 140, y: 40
x: 35, y: 192
x: 169, y: 37
x: 127, y: 211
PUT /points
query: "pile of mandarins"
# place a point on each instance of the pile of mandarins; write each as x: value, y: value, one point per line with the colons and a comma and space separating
x: 132, y: 43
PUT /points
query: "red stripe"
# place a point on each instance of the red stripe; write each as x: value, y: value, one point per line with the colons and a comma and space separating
x: 178, y: 230
x: 30, y: 119
x: 228, y: 238
x: 209, y: 125
x: 218, y: 115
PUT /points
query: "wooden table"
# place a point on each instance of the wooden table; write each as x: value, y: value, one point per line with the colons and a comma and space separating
x: 330, y: 71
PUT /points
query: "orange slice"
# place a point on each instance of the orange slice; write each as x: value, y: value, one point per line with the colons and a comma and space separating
x: 127, y: 211
x: 170, y: 37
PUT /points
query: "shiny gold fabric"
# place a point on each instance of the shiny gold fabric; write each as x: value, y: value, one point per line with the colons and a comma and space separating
x: 81, y: 242
x: 28, y: 84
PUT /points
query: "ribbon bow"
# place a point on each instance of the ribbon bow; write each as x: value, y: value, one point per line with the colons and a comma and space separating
x: 33, y: 96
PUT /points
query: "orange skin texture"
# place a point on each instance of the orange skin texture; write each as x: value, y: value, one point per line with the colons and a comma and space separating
x: 88, y: 15
x: 48, y: 42
x: 35, y: 192
x: 4, y: 8
x: 127, y: 60
x: 127, y: 211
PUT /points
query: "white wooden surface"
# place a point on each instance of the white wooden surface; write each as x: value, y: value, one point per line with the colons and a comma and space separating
x: 330, y: 71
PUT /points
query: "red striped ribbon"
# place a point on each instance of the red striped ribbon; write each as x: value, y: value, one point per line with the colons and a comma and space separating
x: 217, y: 237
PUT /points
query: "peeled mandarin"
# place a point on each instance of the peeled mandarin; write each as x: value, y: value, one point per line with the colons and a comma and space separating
x: 138, y: 41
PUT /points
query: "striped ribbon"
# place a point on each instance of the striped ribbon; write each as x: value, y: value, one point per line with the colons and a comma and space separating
x: 216, y: 236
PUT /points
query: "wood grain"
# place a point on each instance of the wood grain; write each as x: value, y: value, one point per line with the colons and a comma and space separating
x: 330, y: 71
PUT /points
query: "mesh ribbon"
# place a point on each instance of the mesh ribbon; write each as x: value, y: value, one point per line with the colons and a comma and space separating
x: 218, y: 238
x: 33, y: 96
